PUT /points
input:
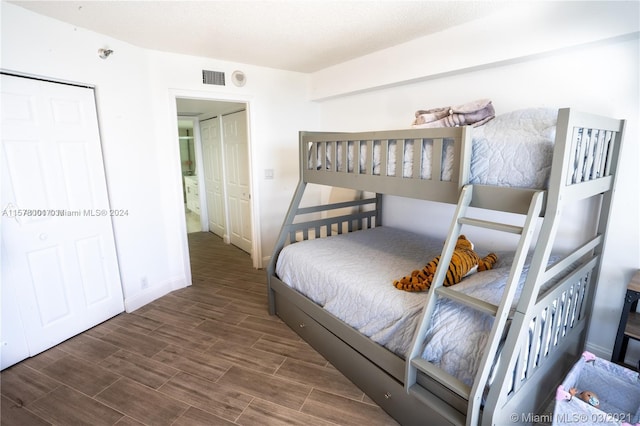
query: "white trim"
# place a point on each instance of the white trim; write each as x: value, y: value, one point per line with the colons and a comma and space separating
x: 256, y: 249
x: 256, y: 253
x: 44, y: 78
x: 176, y: 171
x: 197, y: 140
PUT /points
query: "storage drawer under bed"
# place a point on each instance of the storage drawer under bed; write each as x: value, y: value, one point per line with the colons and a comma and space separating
x: 387, y: 392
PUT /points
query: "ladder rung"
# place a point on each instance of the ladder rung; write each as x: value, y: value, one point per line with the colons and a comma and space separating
x: 467, y: 300
x: 438, y: 374
x: 490, y: 225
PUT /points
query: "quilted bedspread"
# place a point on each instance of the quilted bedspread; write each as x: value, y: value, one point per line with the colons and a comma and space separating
x: 515, y: 149
x: 351, y: 276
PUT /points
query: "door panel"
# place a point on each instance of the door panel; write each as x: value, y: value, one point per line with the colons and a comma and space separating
x: 58, y: 250
x: 92, y: 272
x: 213, y: 182
x: 47, y: 284
x: 14, y: 347
x: 238, y: 179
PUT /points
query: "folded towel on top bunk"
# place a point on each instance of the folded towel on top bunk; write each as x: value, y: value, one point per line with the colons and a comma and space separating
x: 473, y: 113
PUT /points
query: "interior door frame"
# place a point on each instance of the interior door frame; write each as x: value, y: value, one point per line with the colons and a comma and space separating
x: 256, y: 246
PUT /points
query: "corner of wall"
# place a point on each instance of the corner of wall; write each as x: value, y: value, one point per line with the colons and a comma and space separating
x: 152, y: 293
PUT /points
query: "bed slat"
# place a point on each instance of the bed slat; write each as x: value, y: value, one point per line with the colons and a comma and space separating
x: 398, y: 170
x: 442, y: 376
x: 496, y: 226
x: 436, y: 159
x: 565, y: 263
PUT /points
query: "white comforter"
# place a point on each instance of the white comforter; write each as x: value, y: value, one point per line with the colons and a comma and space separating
x: 351, y: 276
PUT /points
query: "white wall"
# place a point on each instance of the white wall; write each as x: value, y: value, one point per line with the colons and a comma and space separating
x: 136, y: 91
x: 517, y: 32
x: 598, y: 76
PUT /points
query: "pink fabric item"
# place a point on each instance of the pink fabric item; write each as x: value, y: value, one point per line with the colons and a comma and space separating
x: 473, y: 113
x: 561, y: 394
x: 588, y: 356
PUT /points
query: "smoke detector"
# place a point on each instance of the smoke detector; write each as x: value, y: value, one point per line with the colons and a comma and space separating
x: 238, y: 78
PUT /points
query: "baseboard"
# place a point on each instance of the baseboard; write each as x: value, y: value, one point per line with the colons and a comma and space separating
x: 599, y: 351
x: 631, y: 358
x: 152, y: 293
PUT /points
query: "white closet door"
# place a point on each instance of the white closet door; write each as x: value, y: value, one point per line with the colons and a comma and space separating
x: 59, y: 261
x: 213, y: 182
x: 236, y: 148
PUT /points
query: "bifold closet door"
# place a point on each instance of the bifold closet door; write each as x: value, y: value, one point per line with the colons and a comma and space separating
x: 213, y: 176
x: 236, y: 148
x: 59, y: 266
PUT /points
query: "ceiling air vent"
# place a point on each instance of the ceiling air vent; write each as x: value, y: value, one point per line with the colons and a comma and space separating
x: 213, y: 77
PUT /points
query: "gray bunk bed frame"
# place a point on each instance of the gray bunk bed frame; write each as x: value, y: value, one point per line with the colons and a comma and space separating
x: 537, y: 342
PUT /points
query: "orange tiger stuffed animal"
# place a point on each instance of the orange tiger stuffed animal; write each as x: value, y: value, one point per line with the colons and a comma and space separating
x: 464, y: 261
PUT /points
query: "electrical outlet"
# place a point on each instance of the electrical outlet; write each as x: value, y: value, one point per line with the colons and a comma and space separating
x: 144, y: 283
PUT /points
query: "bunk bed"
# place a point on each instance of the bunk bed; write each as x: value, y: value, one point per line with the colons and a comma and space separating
x: 519, y: 337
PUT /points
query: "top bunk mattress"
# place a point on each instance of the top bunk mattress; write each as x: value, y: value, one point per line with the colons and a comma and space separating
x: 513, y: 149
x: 351, y: 276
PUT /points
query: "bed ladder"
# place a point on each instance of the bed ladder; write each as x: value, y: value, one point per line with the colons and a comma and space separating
x: 474, y: 393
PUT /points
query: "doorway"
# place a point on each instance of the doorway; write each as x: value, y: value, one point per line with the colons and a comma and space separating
x: 189, y: 170
x: 217, y: 169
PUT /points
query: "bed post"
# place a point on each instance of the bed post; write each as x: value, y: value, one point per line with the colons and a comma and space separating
x: 466, y: 145
x: 288, y: 220
x: 378, y: 209
x: 281, y: 241
x: 605, y: 215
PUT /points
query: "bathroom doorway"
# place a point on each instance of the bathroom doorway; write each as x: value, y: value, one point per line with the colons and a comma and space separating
x: 188, y: 165
x: 211, y: 171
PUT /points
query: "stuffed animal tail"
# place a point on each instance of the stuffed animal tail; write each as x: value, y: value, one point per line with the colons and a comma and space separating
x: 487, y: 262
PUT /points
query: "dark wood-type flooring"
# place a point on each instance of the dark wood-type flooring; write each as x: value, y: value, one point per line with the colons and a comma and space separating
x: 208, y: 354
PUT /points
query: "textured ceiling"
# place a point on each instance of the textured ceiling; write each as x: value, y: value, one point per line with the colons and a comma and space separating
x: 295, y: 35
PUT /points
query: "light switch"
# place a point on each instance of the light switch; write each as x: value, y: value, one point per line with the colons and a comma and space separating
x: 268, y: 173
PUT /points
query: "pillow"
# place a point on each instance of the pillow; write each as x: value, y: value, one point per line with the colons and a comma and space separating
x: 515, y: 149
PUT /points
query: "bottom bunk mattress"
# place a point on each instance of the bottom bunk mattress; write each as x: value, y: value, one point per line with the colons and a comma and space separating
x: 351, y: 276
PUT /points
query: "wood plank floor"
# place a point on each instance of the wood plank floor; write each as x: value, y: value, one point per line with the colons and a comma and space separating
x: 209, y: 354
